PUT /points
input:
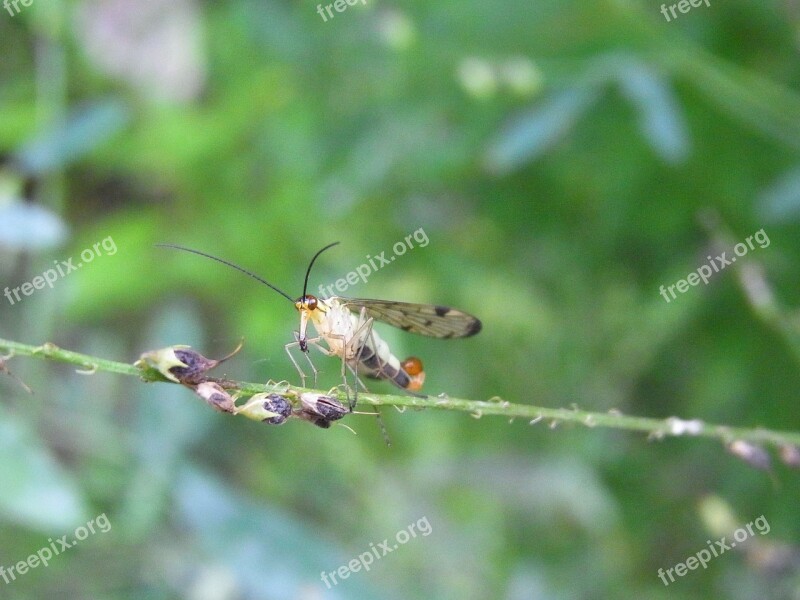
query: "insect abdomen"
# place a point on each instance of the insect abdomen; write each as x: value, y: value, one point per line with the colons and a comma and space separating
x: 407, y: 375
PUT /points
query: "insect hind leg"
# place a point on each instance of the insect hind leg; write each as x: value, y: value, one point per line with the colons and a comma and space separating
x: 370, y: 336
x: 352, y: 349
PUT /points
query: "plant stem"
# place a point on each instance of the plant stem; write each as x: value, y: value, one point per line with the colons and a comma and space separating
x: 655, y: 428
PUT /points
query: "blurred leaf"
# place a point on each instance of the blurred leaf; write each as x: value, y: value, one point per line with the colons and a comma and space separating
x: 745, y: 94
x: 660, y: 116
x: 530, y: 135
x: 36, y: 491
x: 273, y: 554
x: 81, y: 132
x: 780, y: 201
x: 29, y: 227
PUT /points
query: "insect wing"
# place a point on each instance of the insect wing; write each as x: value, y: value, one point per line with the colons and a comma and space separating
x: 423, y: 319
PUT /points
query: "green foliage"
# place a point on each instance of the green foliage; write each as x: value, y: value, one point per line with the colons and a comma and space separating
x: 565, y: 159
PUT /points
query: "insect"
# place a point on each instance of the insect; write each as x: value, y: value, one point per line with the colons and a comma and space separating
x: 345, y: 325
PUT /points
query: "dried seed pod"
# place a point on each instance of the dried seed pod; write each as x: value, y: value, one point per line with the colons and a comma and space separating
x: 790, y: 455
x: 181, y: 364
x: 279, y: 406
x: 195, y: 367
x: 215, y: 396
x: 753, y: 455
x: 269, y: 408
x: 321, y: 410
x: 163, y: 361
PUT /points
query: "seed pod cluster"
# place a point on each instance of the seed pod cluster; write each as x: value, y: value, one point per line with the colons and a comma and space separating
x: 275, y: 409
x: 183, y: 365
x: 757, y: 457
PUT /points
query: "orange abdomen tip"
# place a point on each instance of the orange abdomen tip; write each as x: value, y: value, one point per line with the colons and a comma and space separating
x: 412, y: 365
x: 413, y: 368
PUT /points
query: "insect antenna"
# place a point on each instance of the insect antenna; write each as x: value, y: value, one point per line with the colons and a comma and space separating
x: 311, y: 264
x: 237, y: 267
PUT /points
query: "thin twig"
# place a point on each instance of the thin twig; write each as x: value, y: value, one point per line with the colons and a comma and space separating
x: 655, y: 428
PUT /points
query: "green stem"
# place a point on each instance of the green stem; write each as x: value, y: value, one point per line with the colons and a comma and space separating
x: 655, y: 428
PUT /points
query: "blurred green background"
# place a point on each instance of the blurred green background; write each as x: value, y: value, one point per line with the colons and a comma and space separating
x: 564, y: 159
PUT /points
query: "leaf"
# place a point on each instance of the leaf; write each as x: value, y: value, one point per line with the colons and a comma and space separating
x: 780, y: 201
x: 530, y: 135
x: 66, y: 142
x: 271, y: 553
x: 660, y: 117
x: 30, y: 227
x: 37, y: 492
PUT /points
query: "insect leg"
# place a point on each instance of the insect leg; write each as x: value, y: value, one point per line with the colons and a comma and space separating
x: 364, y: 324
x: 346, y: 349
x: 313, y: 341
x: 358, y: 379
x: 370, y: 336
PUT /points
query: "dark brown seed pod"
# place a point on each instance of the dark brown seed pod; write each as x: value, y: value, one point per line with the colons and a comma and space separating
x: 181, y: 364
x: 269, y: 408
x: 790, y: 455
x: 321, y: 410
x: 196, y: 365
x: 280, y: 406
x: 215, y: 396
x: 753, y: 455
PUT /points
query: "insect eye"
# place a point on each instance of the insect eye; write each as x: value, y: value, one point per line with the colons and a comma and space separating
x: 412, y: 365
x: 311, y: 302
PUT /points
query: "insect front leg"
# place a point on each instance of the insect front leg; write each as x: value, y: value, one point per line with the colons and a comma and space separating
x: 295, y: 344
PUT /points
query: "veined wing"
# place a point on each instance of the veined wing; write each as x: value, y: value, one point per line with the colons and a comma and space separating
x: 423, y: 319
